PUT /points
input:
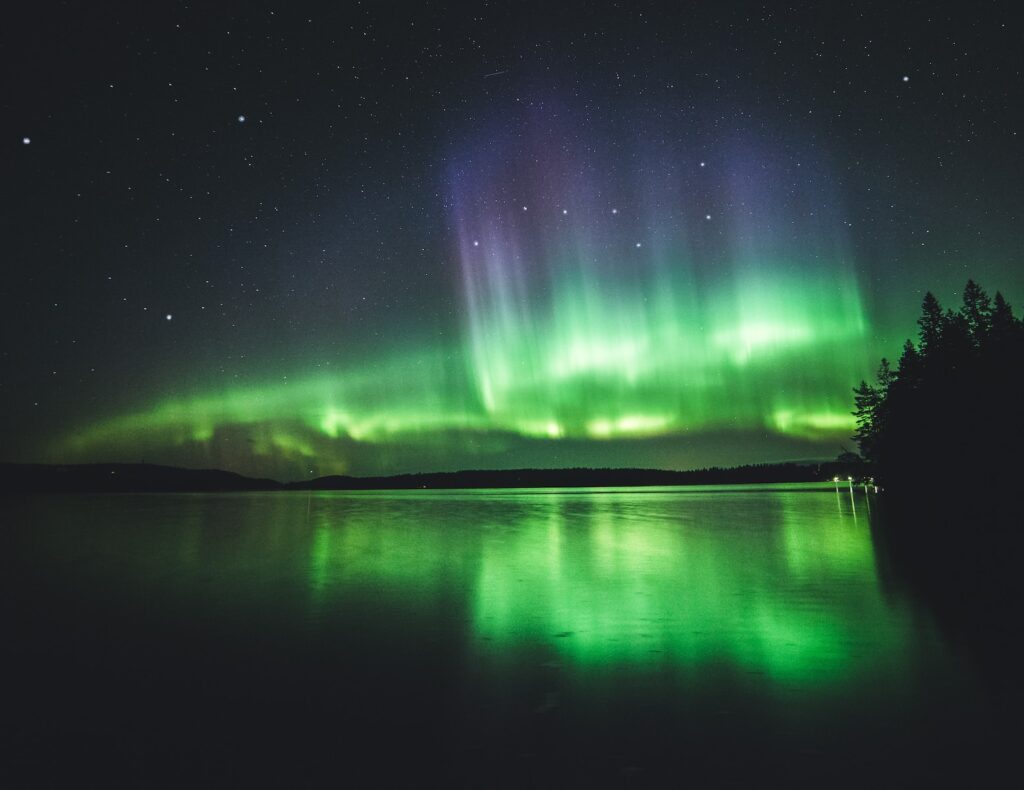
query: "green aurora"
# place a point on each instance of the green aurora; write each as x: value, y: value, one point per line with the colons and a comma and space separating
x: 591, y: 332
x: 775, y: 357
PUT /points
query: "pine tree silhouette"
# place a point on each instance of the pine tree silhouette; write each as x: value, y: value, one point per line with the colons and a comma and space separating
x: 949, y: 418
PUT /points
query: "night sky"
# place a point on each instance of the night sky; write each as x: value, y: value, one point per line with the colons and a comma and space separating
x: 371, y: 238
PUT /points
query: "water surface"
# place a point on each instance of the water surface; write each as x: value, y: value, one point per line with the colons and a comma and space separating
x: 635, y: 635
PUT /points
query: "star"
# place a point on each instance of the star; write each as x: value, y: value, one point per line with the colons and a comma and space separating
x: 638, y: 245
x: 703, y: 163
x: 565, y: 211
x: 476, y: 244
x: 707, y: 216
x: 241, y: 119
x: 615, y: 211
x: 906, y: 78
x: 168, y: 316
x: 26, y: 140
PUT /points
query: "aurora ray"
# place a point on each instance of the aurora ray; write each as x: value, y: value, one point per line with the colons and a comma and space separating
x: 602, y: 301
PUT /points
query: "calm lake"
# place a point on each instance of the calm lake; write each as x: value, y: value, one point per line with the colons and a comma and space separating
x: 478, y: 637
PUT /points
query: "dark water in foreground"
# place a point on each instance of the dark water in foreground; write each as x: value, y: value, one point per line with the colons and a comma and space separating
x: 634, y: 636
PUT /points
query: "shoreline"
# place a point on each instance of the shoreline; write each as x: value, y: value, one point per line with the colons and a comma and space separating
x: 152, y: 478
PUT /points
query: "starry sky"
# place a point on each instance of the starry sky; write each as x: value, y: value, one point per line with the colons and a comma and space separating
x: 301, y: 239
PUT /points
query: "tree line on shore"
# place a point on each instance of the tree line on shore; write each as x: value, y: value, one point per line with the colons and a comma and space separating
x: 945, y: 424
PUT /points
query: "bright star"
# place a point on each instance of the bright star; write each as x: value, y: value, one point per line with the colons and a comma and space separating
x: 241, y: 119
x: 638, y: 245
x: 476, y: 244
x: 26, y: 140
x: 906, y: 78
x: 615, y: 211
x: 565, y: 211
x: 168, y: 316
x: 703, y: 163
x: 707, y: 216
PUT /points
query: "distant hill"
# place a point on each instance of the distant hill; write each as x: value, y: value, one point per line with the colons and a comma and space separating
x: 120, y: 478
x: 141, y: 478
x: 584, y: 477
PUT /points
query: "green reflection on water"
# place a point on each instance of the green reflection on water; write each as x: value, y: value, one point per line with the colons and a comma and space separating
x: 782, y: 584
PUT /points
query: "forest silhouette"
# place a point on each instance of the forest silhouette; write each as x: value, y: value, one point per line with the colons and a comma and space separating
x: 944, y: 427
x: 943, y: 433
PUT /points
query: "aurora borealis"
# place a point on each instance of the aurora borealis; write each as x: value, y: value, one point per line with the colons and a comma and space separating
x: 248, y: 247
x: 587, y: 319
x: 571, y: 330
x: 356, y: 244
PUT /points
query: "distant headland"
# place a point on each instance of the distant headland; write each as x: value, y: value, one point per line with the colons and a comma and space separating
x: 153, y: 478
